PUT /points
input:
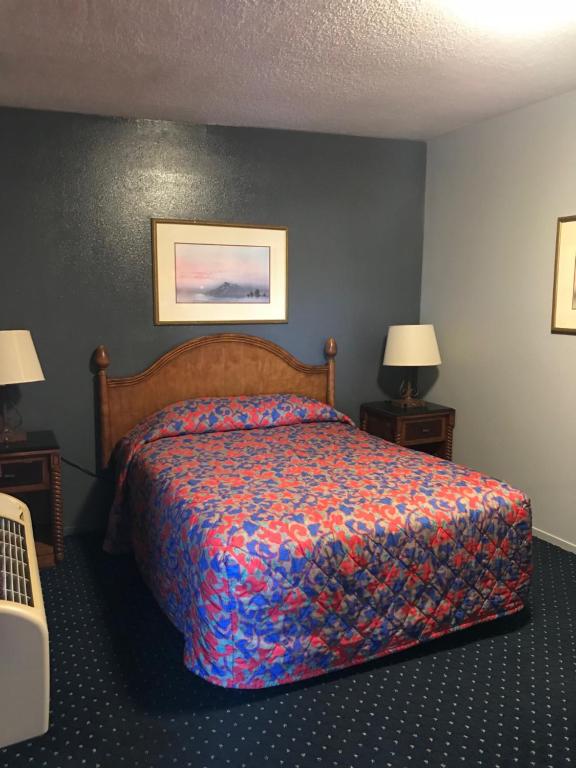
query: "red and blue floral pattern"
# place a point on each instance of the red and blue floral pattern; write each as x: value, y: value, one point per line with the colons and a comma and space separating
x: 284, y: 543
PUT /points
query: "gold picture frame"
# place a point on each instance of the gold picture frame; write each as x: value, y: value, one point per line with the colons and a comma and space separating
x: 209, y: 272
x: 564, y: 297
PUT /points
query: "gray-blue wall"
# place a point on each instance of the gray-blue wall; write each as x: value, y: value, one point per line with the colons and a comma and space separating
x: 77, y: 195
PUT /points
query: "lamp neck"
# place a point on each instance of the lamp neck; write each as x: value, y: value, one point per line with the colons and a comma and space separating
x: 9, y: 434
x: 4, y: 403
x: 409, y: 391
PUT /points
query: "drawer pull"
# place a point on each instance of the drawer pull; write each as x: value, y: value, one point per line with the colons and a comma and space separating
x: 425, y: 430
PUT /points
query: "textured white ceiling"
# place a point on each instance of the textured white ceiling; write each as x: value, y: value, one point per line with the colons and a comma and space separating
x: 403, y: 68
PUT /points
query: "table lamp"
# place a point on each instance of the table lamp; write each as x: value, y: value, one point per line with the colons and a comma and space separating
x: 18, y: 364
x: 411, y: 346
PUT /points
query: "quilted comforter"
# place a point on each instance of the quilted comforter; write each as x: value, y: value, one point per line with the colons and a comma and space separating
x: 283, y: 542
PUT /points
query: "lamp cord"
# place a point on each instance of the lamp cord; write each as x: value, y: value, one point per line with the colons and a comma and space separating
x: 86, y: 471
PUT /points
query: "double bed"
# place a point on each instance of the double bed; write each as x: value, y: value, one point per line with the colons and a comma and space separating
x: 282, y: 541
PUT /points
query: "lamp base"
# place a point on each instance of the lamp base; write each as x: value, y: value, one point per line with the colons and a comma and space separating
x: 12, y: 436
x: 409, y: 402
x: 408, y: 397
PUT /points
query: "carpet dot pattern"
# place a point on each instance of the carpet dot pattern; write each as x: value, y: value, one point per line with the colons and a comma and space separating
x: 495, y: 696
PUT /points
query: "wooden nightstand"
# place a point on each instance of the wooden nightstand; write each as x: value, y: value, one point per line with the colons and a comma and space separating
x: 428, y: 428
x: 30, y: 470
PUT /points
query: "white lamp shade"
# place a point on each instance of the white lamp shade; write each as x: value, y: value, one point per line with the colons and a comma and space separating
x: 411, y: 345
x: 18, y: 359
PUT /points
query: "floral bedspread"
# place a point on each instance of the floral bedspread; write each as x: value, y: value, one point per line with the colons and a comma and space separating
x: 283, y: 542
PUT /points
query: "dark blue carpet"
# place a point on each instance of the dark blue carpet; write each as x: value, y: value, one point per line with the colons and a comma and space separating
x: 500, y: 695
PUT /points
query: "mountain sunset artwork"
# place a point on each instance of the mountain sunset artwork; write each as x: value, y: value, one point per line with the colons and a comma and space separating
x: 224, y: 274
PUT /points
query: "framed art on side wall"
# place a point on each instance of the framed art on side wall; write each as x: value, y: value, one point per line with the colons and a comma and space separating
x: 564, y: 303
x: 208, y: 272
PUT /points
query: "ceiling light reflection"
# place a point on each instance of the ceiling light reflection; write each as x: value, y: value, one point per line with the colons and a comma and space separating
x: 513, y: 17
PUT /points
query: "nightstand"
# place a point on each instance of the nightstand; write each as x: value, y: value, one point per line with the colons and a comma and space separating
x: 30, y: 470
x: 427, y: 428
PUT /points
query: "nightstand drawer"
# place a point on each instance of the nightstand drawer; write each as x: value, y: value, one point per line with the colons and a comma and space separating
x: 424, y: 429
x: 377, y: 426
x: 30, y: 474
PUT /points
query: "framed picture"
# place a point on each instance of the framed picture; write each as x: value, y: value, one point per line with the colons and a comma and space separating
x: 564, y: 304
x: 219, y: 273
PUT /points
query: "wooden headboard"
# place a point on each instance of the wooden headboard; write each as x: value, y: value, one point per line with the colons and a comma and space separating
x: 221, y: 365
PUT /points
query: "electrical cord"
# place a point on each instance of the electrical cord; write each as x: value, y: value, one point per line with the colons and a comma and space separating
x: 85, y: 471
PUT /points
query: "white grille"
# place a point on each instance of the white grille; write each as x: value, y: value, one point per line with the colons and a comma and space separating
x: 15, y: 585
x: 24, y: 657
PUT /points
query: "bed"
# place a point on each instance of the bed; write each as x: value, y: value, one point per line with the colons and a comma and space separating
x: 282, y: 541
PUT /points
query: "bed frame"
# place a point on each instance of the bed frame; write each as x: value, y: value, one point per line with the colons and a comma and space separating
x: 221, y: 365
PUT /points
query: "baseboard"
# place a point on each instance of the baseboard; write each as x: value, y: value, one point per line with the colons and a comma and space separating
x: 551, y: 539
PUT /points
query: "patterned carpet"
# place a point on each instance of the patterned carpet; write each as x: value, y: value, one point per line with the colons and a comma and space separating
x: 496, y: 696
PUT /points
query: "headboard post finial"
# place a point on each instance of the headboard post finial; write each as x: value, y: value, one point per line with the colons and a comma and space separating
x: 101, y: 358
x: 102, y: 361
x: 330, y: 350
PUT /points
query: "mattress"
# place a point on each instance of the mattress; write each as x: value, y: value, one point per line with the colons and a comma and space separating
x: 284, y: 543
